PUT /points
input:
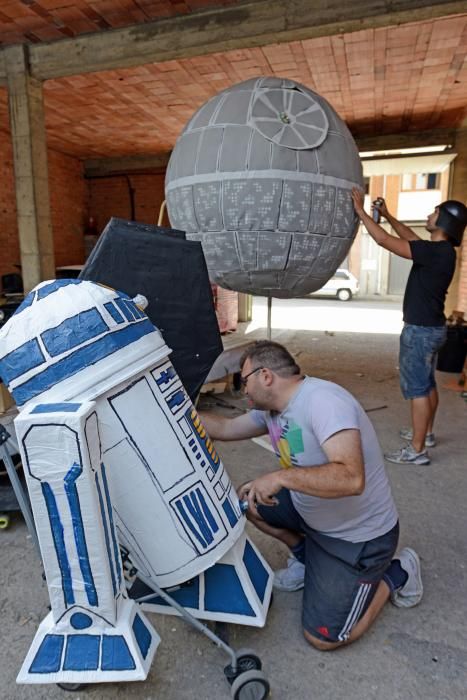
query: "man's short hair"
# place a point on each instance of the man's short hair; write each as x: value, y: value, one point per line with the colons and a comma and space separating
x: 273, y: 356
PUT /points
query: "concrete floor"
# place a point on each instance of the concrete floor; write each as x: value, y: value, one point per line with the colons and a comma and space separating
x: 408, y: 654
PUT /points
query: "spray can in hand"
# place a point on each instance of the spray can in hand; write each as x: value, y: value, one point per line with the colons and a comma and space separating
x: 376, y: 212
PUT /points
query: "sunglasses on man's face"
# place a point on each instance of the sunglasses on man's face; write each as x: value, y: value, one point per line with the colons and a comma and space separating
x: 244, y: 380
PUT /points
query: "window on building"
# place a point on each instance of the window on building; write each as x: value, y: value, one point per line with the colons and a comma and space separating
x: 420, y: 181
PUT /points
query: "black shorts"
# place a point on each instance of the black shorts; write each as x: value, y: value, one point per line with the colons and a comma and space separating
x: 341, y: 577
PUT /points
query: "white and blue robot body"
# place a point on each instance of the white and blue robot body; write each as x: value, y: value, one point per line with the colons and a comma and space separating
x: 117, y: 457
x: 93, y: 632
x: 150, y: 430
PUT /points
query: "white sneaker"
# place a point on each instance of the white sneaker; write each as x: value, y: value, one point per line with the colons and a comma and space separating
x: 411, y: 593
x: 407, y: 455
x: 292, y: 578
x: 407, y: 434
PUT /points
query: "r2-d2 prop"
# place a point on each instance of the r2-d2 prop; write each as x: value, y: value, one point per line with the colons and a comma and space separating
x: 116, y: 459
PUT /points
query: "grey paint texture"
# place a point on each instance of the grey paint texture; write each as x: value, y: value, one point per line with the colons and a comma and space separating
x: 262, y: 175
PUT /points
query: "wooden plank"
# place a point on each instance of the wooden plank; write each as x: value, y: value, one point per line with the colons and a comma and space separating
x: 239, y: 26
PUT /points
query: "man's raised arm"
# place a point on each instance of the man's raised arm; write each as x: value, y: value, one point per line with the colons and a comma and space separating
x: 401, y: 229
x: 239, y: 428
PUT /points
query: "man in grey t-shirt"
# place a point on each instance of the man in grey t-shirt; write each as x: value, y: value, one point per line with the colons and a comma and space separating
x: 330, y: 503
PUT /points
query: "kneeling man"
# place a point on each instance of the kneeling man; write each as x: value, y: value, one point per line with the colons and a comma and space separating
x: 330, y: 502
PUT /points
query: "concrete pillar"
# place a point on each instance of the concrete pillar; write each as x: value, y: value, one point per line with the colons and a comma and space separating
x: 457, y: 294
x: 30, y: 163
x: 245, y: 307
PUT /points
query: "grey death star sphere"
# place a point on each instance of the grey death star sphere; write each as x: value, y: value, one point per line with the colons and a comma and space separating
x: 262, y: 176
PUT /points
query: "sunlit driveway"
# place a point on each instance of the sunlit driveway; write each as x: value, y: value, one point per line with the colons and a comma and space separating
x: 357, y: 315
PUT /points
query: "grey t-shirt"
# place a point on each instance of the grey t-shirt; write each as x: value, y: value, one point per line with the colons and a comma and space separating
x: 316, y: 411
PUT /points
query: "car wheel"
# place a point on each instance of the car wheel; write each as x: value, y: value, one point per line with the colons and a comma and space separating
x: 344, y: 294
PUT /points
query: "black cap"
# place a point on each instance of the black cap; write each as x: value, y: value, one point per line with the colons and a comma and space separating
x: 452, y: 219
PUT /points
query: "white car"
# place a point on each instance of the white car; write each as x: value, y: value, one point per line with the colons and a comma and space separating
x: 342, y: 285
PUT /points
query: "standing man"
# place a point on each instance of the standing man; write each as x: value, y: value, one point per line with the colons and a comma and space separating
x: 331, y: 503
x: 424, y: 331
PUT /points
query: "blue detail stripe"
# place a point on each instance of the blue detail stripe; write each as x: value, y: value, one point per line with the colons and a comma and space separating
x: 21, y: 360
x: 116, y: 655
x: 194, y: 509
x: 127, y: 308
x: 53, y: 286
x: 114, y: 312
x: 166, y: 376
x: 59, y: 543
x: 106, y: 534
x: 80, y: 359
x: 112, y: 527
x: 56, y: 408
x: 207, y: 512
x: 142, y: 635
x: 229, y: 511
x: 176, y: 399
x: 256, y: 570
x: 186, y: 519
x: 49, y: 655
x: 82, y: 652
x: 78, y: 529
x: 73, y: 332
x: 25, y: 304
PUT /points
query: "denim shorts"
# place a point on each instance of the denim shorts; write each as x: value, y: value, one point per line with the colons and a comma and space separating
x: 341, y: 577
x: 419, y: 346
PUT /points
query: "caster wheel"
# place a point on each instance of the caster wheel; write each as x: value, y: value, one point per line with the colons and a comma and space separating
x: 247, y: 660
x: 71, y: 687
x: 251, y: 685
x: 4, y: 521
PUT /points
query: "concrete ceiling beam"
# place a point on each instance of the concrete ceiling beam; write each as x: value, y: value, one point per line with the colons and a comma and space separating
x: 239, y: 26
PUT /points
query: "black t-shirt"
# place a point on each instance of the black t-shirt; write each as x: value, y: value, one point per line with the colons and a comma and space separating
x: 429, y: 279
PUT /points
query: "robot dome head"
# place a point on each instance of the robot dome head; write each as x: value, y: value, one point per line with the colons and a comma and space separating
x: 70, y: 334
x: 452, y: 219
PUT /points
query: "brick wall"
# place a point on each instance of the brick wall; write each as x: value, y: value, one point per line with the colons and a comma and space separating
x: 110, y: 196
x: 69, y: 206
x: 68, y: 195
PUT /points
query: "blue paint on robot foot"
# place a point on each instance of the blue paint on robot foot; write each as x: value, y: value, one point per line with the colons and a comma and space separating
x: 142, y: 635
x: 256, y: 570
x: 187, y: 595
x: 82, y: 652
x: 56, y: 408
x: 224, y: 591
x: 116, y: 655
x: 80, y: 621
x: 230, y: 513
x: 49, y: 654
